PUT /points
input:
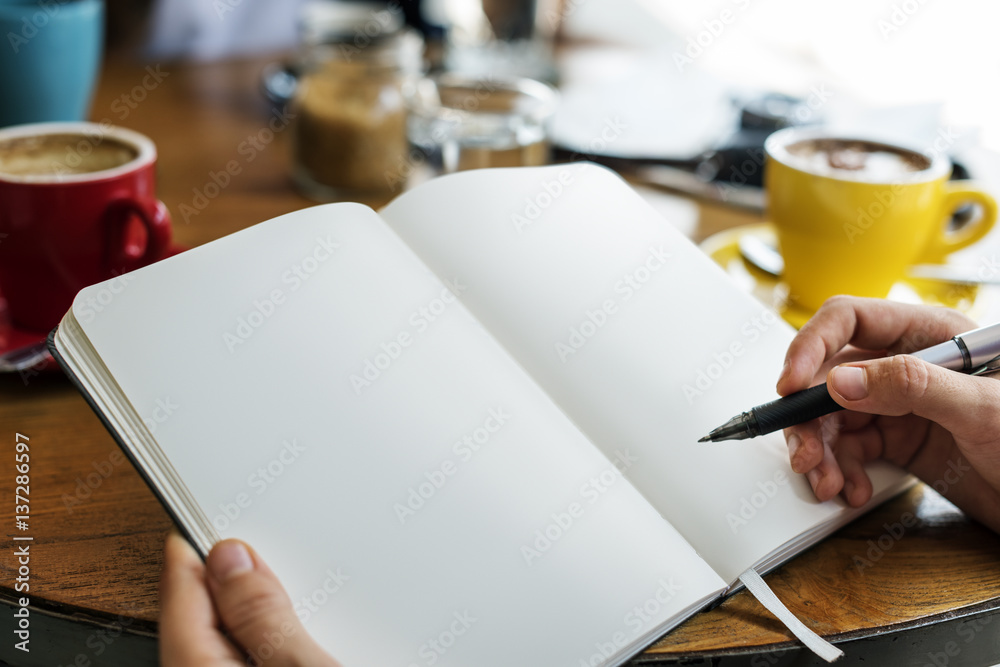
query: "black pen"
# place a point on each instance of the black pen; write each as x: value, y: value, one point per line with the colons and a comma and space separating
x: 971, y: 352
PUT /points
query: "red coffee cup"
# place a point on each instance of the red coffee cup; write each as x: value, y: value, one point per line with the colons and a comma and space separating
x: 77, y: 206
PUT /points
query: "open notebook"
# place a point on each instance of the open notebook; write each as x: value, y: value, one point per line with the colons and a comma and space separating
x: 462, y: 431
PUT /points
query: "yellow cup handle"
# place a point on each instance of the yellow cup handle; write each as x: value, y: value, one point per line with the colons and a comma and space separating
x: 958, y: 193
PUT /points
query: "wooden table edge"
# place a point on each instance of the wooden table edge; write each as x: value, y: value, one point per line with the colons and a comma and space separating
x: 971, y: 610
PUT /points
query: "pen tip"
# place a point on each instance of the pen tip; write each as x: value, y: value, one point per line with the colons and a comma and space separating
x: 707, y: 438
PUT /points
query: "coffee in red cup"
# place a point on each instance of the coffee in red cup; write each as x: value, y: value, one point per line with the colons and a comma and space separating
x: 77, y: 206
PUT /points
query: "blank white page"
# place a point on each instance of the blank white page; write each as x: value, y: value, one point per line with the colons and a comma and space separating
x: 326, y: 399
x: 640, y: 338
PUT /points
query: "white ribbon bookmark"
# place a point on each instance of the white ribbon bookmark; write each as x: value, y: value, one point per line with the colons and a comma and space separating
x: 755, y: 584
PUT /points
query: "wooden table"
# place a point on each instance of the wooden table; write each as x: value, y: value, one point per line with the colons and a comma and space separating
x: 894, y: 595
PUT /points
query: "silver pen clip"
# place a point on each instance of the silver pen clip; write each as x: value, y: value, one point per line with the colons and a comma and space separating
x: 990, y: 366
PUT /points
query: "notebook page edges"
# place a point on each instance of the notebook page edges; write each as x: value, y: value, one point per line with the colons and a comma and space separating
x: 131, y: 433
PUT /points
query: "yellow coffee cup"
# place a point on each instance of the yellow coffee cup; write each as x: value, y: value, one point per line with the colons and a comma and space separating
x: 852, y: 214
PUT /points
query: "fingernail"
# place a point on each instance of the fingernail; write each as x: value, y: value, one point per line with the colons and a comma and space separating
x: 851, y: 382
x: 229, y: 559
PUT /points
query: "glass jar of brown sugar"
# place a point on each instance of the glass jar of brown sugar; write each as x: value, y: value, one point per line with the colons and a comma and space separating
x: 350, y: 115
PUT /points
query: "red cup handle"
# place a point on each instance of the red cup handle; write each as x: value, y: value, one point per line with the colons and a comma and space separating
x: 153, y: 214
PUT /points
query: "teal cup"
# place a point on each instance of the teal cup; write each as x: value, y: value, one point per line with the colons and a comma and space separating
x: 50, y: 54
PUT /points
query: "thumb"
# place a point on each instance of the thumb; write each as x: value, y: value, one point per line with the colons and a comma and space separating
x: 902, y: 384
x: 256, y: 611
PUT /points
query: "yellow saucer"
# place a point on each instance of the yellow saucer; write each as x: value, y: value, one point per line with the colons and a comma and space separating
x: 724, y: 249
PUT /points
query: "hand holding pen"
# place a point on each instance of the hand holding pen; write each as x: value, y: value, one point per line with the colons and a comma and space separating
x: 974, y: 352
x: 942, y: 426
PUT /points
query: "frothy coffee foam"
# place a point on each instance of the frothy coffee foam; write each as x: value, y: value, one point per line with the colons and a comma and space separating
x: 56, y: 154
x: 858, y: 160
